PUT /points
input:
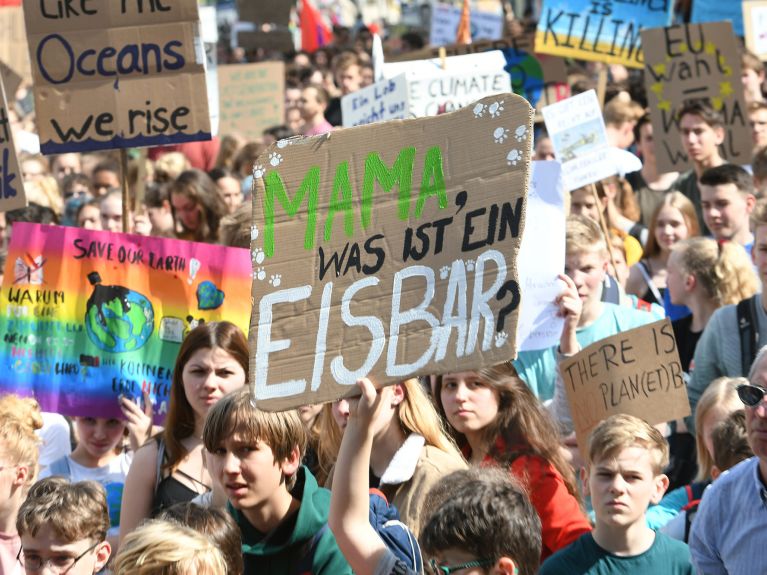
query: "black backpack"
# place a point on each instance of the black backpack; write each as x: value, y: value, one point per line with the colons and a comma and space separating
x: 748, y: 327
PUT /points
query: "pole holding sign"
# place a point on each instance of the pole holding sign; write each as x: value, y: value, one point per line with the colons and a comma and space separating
x: 388, y: 251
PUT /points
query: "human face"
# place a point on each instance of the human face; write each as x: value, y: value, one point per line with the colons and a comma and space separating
x: 715, y: 416
x: 210, y: 374
x: 759, y: 252
x: 756, y: 420
x: 758, y: 122
x: 676, y: 279
x: 309, y: 413
x: 292, y: 97
x: 231, y: 192
x: 57, y: 553
x: 645, y: 143
x: 366, y: 77
x: 469, y: 403
x: 587, y: 270
x: 349, y: 79
x: 32, y: 170
x: 583, y: 203
x: 725, y: 210
x: 700, y: 140
x: 66, y: 164
x: 544, y: 149
x: 309, y: 104
x: 341, y: 413
x: 99, y: 437
x: 293, y: 119
x: 622, y: 487
x: 670, y: 227
x: 752, y: 82
x: 105, y: 180
x: 161, y: 218
x: 187, y: 211
x: 89, y: 218
x: 112, y: 214
x: 621, y: 267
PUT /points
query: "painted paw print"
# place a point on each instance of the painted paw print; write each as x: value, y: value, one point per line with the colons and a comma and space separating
x: 259, y: 274
x: 513, y: 157
x: 479, y: 110
x: 501, y: 338
x: 258, y: 256
x: 470, y: 265
x: 444, y: 271
x: 495, y: 109
x: 284, y: 143
x: 253, y: 233
x: 258, y: 171
x: 275, y: 279
x: 275, y: 159
x: 520, y: 133
x: 500, y: 135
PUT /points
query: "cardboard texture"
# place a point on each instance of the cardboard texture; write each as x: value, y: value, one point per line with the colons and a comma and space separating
x: 252, y: 98
x: 604, y: 31
x: 12, y: 194
x: 382, y: 101
x: 635, y: 372
x: 445, y: 19
x: 109, y: 79
x: 11, y: 81
x: 14, y: 51
x: 388, y: 250
x: 704, y: 11
x: 755, y: 27
x: 265, y: 11
x: 689, y: 62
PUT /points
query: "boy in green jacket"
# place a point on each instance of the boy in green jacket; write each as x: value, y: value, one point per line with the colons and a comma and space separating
x: 282, y: 513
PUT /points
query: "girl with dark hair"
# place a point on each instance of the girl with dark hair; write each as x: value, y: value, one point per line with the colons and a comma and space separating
x: 197, y: 207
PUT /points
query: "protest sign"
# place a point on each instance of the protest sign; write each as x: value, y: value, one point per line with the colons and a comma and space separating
x: 577, y: 132
x: 388, y: 250
x: 755, y: 27
x: 445, y: 19
x: 87, y: 316
x: 604, y: 31
x: 209, y: 35
x: 276, y: 39
x: 11, y: 186
x: 117, y: 74
x: 265, y: 11
x: 14, y: 51
x: 690, y: 62
x: 384, y: 100
x: 252, y: 98
x: 637, y: 372
x: 705, y: 11
x: 539, y: 325
x: 11, y: 81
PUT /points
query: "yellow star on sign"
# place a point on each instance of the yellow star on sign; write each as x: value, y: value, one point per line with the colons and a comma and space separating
x: 716, y: 103
x: 657, y: 89
x: 664, y: 105
x: 659, y: 68
x: 725, y: 88
x: 683, y: 47
x: 710, y: 48
x: 697, y: 45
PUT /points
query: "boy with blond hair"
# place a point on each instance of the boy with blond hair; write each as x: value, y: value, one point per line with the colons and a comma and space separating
x: 626, y: 456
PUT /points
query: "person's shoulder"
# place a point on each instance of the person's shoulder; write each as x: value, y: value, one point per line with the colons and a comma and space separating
x: 733, y: 479
x: 626, y: 316
x: 442, y: 461
x: 673, y: 554
x: 575, y: 558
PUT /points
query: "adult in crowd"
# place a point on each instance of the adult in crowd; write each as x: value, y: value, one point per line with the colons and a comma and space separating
x: 197, y: 207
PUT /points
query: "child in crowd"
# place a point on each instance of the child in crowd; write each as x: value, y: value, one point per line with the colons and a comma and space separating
x: 483, y: 521
x: 255, y: 457
x: 626, y: 457
x: 63, y: 527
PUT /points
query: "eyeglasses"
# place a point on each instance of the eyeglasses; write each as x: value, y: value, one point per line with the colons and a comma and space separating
x: 58, y: 563
x: 437, y: 569
x: 751, y: 395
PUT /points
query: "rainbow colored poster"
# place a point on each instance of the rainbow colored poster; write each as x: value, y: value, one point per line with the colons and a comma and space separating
x: 87, y: 316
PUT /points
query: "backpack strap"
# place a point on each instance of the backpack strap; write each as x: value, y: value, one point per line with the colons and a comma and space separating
x: 644, y: 270
x: 305, y: 565
x: 160, y: 461
x: 611, y: 293
x: 748, y: 328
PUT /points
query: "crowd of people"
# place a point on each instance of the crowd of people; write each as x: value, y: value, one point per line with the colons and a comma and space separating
x: 466, y: 473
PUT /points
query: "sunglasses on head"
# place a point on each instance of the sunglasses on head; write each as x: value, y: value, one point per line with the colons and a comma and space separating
x: 751, y: 395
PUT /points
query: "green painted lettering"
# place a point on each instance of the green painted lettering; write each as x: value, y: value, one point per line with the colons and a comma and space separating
x: 433, y: 180
x: 276, y: 187
x: 344, y: 203
x: 401, y: 174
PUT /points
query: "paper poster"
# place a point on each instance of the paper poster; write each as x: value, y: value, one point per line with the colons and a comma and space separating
x: 11, y: 186
x: 252, y: 98
x: 14, y: 51
x: 603, y: 31
x: 445, y: 19
x: 118, y: 75
x: 704, y: 11
x: 539, y: 326
x: 388, y: 250
x: 755, y: 27
x: 690, y: 62
x: 577, y: 131
x: 382, y: 101
x: 87, y: 316
x: 635, y: 372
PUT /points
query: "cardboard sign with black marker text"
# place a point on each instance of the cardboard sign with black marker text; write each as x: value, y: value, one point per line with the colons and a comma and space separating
x: 12, y: 194
x: 388, y: 250
x: 636, y: 372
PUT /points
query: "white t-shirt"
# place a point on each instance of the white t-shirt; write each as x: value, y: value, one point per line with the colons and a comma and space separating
x: 55, y: 436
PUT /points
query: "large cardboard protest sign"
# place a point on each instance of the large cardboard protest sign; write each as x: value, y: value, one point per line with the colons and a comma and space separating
x: 637, y: 372
x: 382, y: 101
x: 87, y: 316
x: 755, y: 27
x: 695, y: 61
x: 117, y: 74
x: 252, y: 98
x: 446, y: 17
x: 604, y: 31
x: 388, y: 250
x: 13, y: 41
x: 11, y: 186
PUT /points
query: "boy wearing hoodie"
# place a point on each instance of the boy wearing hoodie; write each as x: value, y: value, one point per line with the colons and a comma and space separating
x: 255, y: 456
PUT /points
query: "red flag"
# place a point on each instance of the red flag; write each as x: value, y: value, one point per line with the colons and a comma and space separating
x: 314, y: 32
x: 463, y: 35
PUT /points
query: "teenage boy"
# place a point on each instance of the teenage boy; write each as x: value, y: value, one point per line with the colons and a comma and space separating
x: 482, y: 521
x: 626, y: 457
x: 313, y: 102
x: 727, y: 198
x: 63, y: 528
x: 255, y: 457
x: 702, y: 131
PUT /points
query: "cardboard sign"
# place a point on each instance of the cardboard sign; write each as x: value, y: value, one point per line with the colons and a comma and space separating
x: 695, y: 61
x: 120, y: 74
x: 755, y: 27
x: 276, y: 39
x: 637, y: 372
x: 388, y: 250
x: 252, y: 98
x: 604, y: 31
x: 445, y: 19
x: 87, y: 315
x: 704, y: 11
x: 11, y: 186
x: 577, y: 131
x: 11, y: 81
x: 265, y: 11
x: 384, y: 100
x: 14, y: 51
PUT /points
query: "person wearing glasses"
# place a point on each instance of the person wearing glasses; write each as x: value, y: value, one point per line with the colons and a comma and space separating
x: 727, y: 533
x: 63, y: 528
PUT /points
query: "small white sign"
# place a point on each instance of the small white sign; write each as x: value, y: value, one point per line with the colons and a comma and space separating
x: 445, y: 19
x: 384, y: 100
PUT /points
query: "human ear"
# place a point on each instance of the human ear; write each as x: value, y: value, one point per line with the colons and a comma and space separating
x: 715, y: 472
x: 103, y: 551
x: 398, y: 394
x: 585, y: 481
x: 22, y: 476
x: 690, y: 281
x: 291, y: 464
x: 661, y: 485
x: 719, y: 134
x: 750, y: 202
x: 505, y: 566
